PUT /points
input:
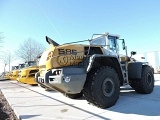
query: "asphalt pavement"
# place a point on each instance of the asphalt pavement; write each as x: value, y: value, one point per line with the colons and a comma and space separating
x: 34, y: 103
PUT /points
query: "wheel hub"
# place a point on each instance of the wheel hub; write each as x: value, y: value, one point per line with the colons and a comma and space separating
x: 149, y: 79
x: 108, y: 87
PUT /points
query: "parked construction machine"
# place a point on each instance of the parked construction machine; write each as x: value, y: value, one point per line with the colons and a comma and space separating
x: 96, y: 70
x: 7, y: 75
x: 14, y: 73
x: 26, y: 75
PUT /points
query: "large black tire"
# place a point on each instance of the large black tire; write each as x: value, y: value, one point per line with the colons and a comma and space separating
x: 102, y: 87
x: 145, y: 85
x: 74, y: 96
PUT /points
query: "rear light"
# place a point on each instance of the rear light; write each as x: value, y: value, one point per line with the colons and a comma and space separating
x: 57, y: 72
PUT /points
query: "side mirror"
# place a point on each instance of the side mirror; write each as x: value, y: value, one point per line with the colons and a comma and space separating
x: 142, y: 57
x: 123, y: 44
x: 133, y: 53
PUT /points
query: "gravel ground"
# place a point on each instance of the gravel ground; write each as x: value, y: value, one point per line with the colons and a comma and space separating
x: 6, y: 112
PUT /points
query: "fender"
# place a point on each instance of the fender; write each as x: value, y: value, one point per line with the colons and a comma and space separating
x: 134, y: 70
x: 93, y: 57
x: 97, y: 60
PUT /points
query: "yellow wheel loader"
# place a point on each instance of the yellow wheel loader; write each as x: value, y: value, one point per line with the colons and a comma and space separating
x: 14, y: 73
x: 27, y: 74
x: 96, y: 70
x: 7, y: 75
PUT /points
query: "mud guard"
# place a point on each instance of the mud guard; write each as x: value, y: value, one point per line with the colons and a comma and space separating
x: 135, y: 70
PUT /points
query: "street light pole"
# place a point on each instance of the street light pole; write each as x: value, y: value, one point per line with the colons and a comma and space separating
x: 4, y: 68
x: 9, y: 59
x: 1, y: 57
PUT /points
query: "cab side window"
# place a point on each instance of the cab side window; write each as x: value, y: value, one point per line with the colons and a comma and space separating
x: 112, y: 42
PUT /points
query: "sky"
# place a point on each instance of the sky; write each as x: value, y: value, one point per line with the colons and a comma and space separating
x: 136, y: 21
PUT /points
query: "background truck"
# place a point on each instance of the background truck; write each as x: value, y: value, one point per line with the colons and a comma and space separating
x: 96, y: 70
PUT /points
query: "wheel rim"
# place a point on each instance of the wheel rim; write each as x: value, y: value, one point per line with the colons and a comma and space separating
x: 149, y: 79
x: 108, y: 87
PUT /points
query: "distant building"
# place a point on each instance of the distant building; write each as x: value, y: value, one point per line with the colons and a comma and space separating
x: 152, y: 57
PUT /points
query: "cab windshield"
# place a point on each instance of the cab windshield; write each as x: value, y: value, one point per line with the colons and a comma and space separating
x: 101, y: 40
x: 28, y: 64
x: 21, y: 66
x: 15, y: 67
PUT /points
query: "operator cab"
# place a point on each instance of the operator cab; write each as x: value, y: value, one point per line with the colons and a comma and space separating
x: 30, y: 63
x: 15, y: 68
x: 20, y: 66
x: 108, y: 42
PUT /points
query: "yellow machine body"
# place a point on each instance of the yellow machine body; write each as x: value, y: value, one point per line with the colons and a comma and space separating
x: 7, y: 75
x: 62, y: 56
x: 27, y: 75
x: 14, y: 74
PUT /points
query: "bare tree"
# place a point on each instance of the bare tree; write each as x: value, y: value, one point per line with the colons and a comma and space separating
x: 5, y: 55
x: 1, y: 37
x: 7, y: 58
x: 29, y: 50
x: 1, y: 52
x: 1, y: 41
